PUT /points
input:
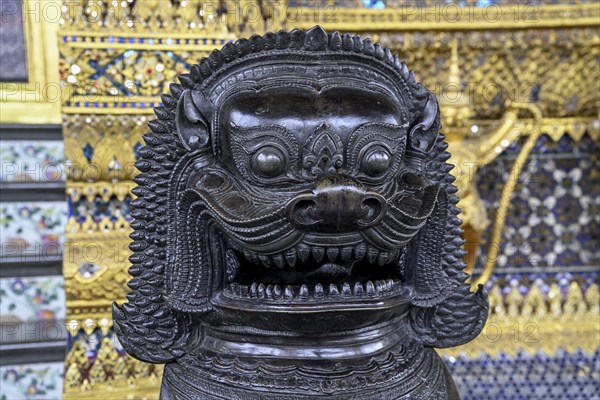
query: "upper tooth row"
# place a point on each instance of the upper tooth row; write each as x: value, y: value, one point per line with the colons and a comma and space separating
x: 318, y: 291
x: 303, y: 252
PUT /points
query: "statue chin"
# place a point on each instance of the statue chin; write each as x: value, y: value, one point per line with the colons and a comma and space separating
x: 296, y: 232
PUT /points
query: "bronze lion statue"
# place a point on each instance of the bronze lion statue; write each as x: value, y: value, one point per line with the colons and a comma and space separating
x: 296, y: 234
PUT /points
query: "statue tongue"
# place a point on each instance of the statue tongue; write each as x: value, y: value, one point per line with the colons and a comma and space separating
x: 331, y: 272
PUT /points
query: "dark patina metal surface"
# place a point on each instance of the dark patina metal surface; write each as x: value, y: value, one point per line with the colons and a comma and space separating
x: 296, y: 232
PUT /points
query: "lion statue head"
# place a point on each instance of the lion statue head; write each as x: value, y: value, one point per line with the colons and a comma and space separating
x: 294, y: 209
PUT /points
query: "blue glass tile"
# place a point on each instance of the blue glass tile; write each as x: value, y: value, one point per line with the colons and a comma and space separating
x: 88, y: 151
x: 540, y: 376
x: 136, y: 149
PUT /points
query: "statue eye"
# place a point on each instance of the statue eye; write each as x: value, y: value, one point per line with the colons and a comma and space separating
x: 268, y: 162
x: 376, y: 162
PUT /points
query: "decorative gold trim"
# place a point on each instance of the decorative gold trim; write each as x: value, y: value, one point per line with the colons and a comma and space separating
x: 537, y: 322
x: 448, y: 17
x: 104, y: 190
x: 114, y: 376
x: 104, y: 245
x: 91, y: 40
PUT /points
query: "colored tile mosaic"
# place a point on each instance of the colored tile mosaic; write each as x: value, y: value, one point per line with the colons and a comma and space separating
x: 32, y: 161
x: 561, y: 376
x: 129, y: 75
x: 32, y: 228
x: 32, y: 299
x: 99, y: 209
x: 543, y: 281
x: 91, y: 343
x: 554, y: 218
x: 33, y: 381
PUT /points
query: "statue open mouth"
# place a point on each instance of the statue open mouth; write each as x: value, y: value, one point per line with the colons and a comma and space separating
x: 308, y: 273
x: 310, y: 255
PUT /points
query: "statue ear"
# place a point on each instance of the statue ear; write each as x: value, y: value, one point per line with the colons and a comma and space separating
x: 423, y: 134
x: 192, y: 116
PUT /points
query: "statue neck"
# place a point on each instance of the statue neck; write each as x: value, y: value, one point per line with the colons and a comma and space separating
x: 252, y: 342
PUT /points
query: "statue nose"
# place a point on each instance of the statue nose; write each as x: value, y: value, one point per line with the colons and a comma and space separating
x: 337, y: 203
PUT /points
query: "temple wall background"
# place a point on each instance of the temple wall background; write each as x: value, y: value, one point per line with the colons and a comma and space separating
x: 518, y: 87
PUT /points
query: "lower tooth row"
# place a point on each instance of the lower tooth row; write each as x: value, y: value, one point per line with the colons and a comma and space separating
x: 302, y: 252
x: 316, y: 292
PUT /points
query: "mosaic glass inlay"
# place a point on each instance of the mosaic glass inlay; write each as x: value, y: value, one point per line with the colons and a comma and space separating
x: 554, y: 216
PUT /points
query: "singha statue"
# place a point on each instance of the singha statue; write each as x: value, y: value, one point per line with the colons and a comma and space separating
x: 296, y: 232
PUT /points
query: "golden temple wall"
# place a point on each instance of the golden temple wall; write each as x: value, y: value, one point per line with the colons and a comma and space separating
x: 508, y: 78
